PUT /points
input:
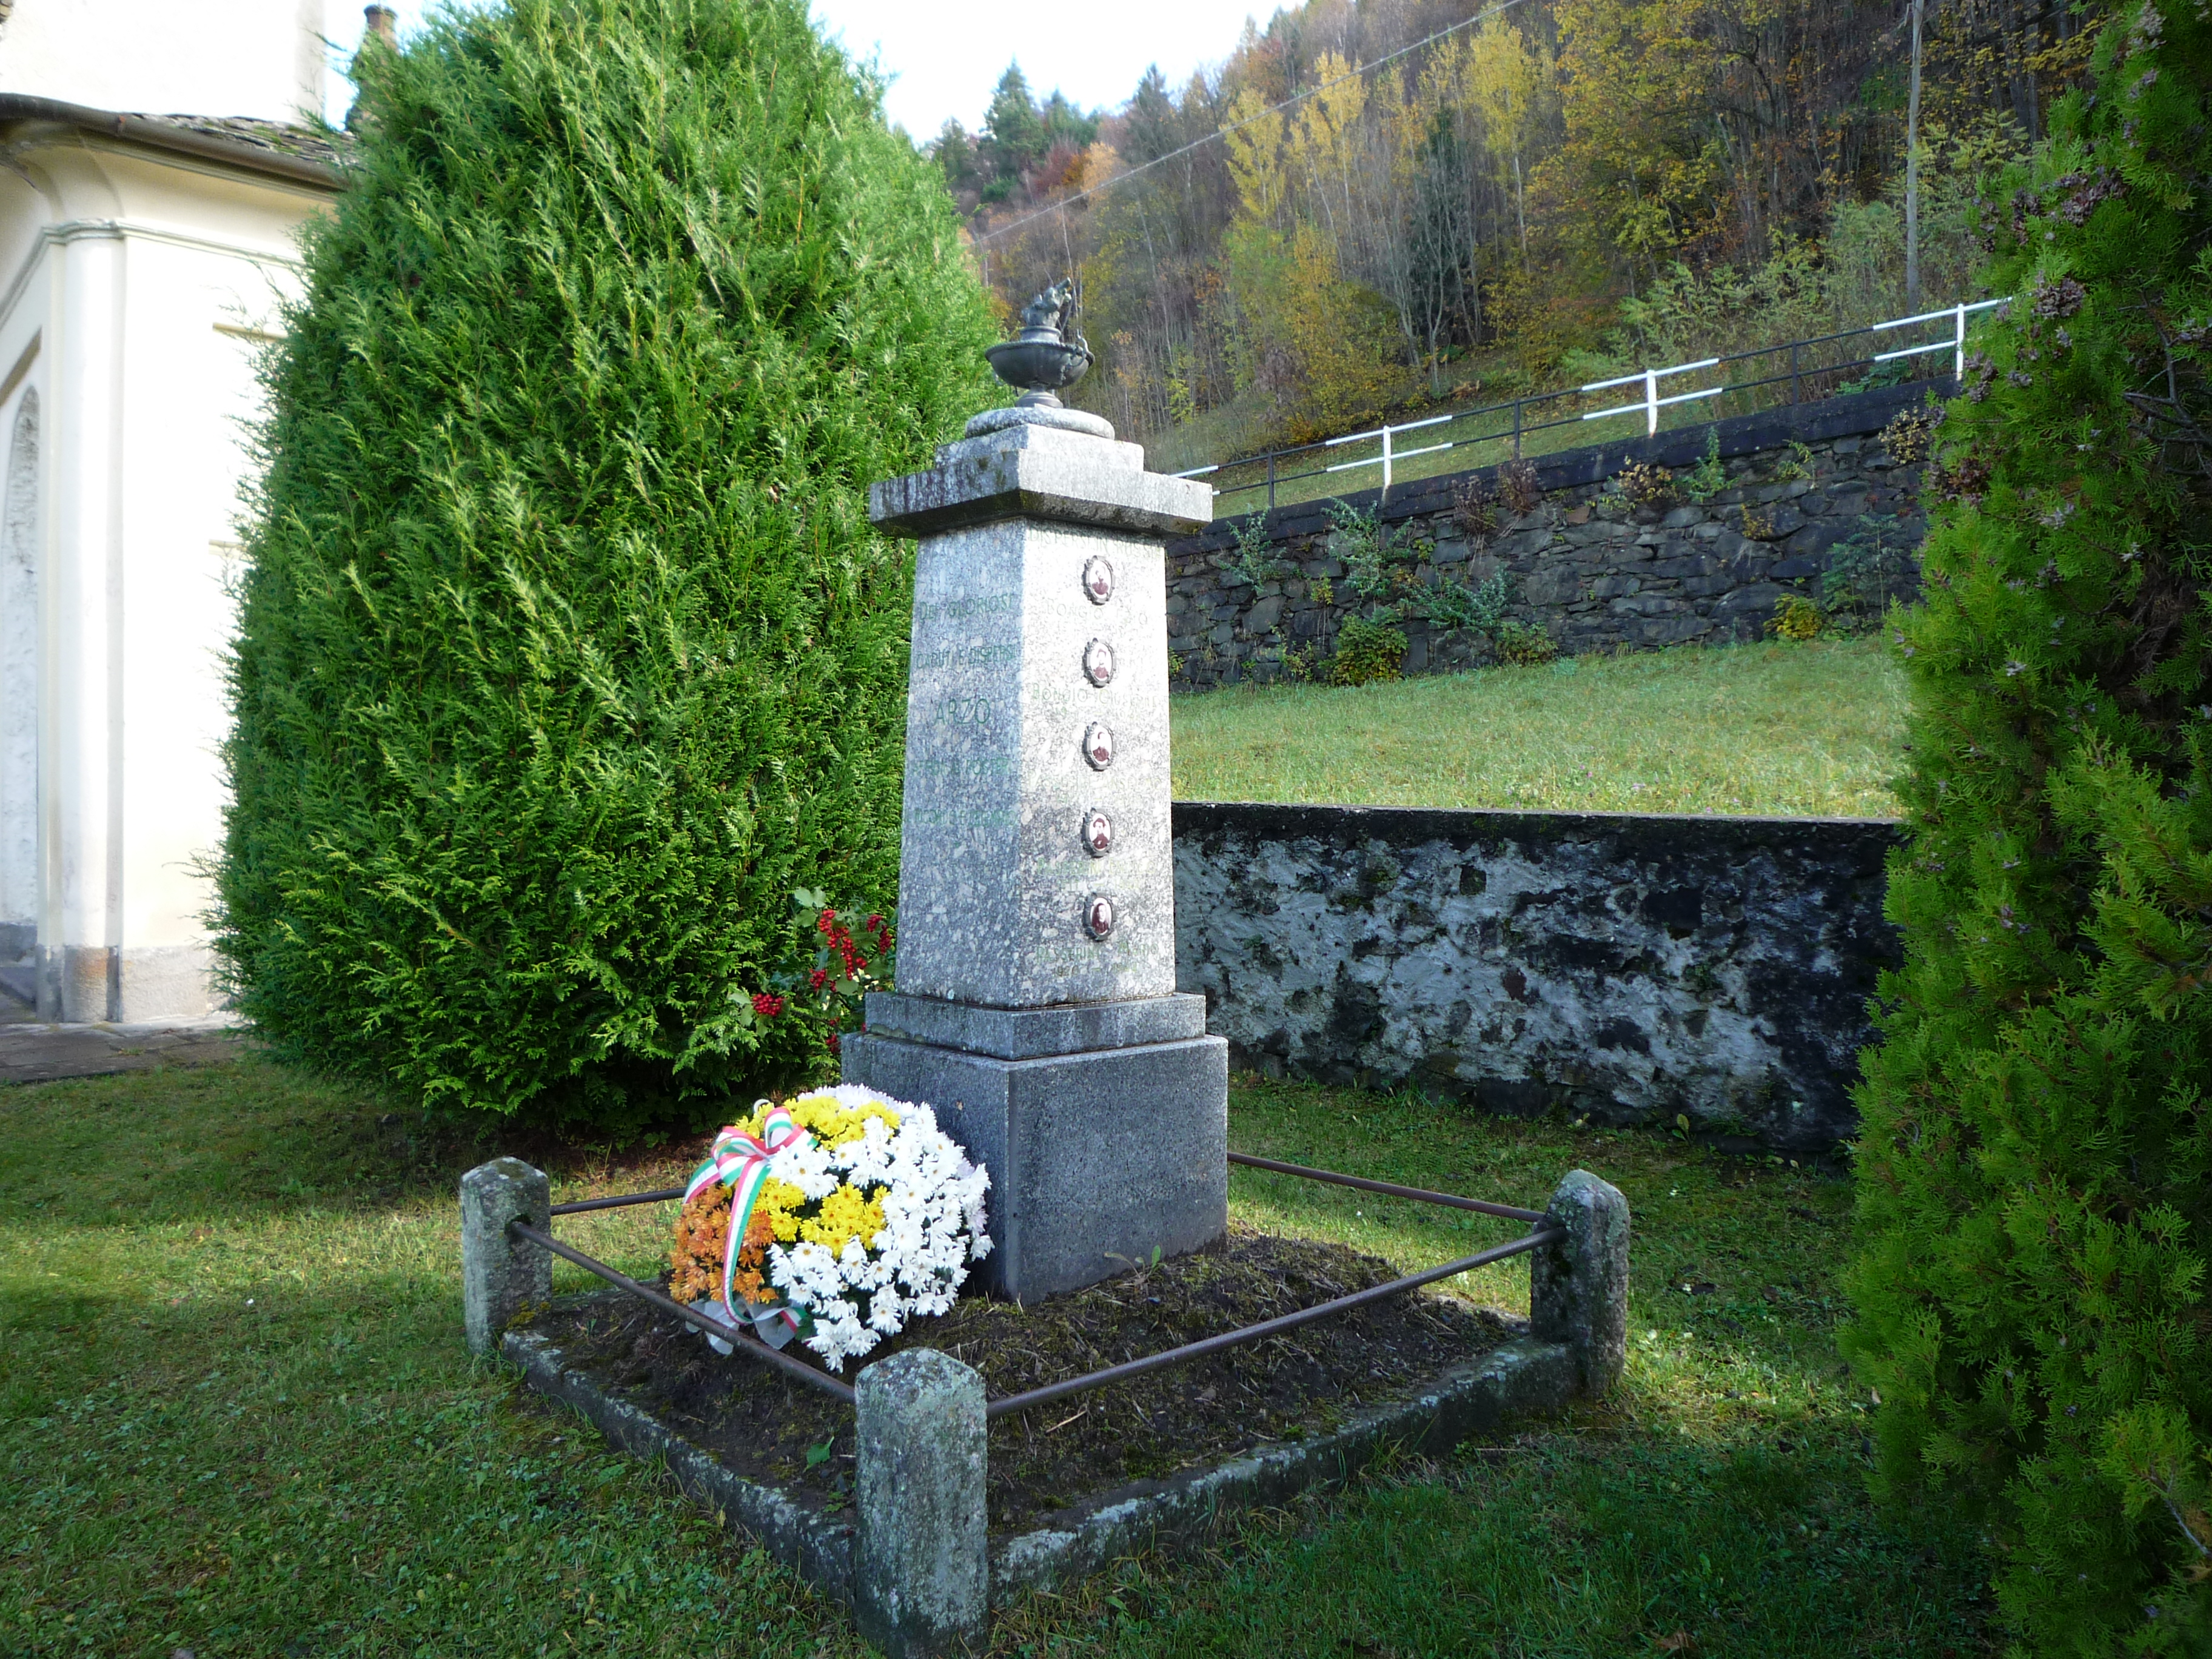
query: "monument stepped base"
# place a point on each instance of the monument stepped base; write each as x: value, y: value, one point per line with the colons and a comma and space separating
x: 1099, y: 1155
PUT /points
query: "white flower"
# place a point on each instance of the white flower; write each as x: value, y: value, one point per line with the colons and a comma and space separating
x: 935, y: 1222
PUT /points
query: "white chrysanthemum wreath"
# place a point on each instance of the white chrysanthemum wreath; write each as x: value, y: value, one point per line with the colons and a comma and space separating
x: 854, y: 1214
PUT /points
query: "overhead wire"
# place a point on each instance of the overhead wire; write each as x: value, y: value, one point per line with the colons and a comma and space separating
x: 1219, y: 133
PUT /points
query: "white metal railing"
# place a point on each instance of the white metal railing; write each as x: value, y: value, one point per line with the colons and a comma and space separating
x: 1386, y: 456
x: 1649, y: 403
x: 1652, y: 403
x: 1957, y: 341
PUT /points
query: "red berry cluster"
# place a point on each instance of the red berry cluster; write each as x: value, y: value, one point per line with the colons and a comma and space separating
x: 768, y: 1004
x: 849, y: 951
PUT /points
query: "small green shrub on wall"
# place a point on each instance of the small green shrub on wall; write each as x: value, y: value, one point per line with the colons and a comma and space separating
x: 1796, y: 617
x: 1366, y: 652
x: 567, y: 652
x: 2035, y: 1166
x: 1525, y: 644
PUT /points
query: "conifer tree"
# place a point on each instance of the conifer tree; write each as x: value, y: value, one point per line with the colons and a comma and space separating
x: 566, y: 652
x: 1013, y: 128
x: 2035, y: 1165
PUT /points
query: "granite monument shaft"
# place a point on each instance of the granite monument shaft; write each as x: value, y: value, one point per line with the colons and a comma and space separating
x: 1035, y: 1006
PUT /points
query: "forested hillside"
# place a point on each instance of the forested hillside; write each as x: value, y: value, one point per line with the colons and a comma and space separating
x: 1543, y: 191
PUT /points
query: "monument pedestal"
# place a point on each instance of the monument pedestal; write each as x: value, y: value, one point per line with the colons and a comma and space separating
x: 1105, y: 1126
x: 1036, y: 1011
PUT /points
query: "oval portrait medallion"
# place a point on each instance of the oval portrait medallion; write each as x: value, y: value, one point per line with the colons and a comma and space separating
x: 1098, y: 916
x: 1098, y: 746
x: 1097, y: 834
x: 1098, y: 578
x: 1098, y: 662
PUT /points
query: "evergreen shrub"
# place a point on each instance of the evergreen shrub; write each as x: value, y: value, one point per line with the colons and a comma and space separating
x: 566, y: 652
x: 2035, y: 1161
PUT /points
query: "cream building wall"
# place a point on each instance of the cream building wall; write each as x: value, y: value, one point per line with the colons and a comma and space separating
x: 137, y: 282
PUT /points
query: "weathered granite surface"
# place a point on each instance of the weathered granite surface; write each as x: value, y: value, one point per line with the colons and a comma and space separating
x: 1032, y: 1033
x: 921, y: 1578
x: 1598, y: 576
x: 1034, y: 866
x: 1578, y: 1289
x: 1632, y: 967
x: 1039, y: 464
x: 500, y: 1275
x: 1034, y: 1007
x: 995, y: 872
x: 1097, y: 1159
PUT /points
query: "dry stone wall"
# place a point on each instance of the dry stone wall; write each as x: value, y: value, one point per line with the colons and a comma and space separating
x: 1596, y: 571
x: 1630, y: 968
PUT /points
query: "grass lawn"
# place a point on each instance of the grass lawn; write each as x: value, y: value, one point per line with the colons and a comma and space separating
x: 236, y: 1416
x: 1814, y: 728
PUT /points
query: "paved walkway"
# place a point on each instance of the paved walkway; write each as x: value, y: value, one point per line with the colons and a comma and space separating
x: 32, y: 1051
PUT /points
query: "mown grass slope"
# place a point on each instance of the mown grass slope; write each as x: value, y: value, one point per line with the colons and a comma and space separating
x: 1815, y: 728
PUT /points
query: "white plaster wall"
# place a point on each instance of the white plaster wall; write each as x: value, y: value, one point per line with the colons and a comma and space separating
x: 176, y: 550
x: 141, y: 287
x: 19, y: 663
x: 261, y: 58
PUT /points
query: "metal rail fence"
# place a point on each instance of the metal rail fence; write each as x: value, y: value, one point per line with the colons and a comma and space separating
x: 798, y: 1369
x: 1518, y: 428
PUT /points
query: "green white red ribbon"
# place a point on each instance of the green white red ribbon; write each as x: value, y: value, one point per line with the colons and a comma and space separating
x: 740, y: 1162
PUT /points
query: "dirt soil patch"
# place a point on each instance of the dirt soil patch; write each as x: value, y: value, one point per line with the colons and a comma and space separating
x: 1309, y: 1380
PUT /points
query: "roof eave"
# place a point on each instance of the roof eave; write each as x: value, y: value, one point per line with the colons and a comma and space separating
x: 180, y: 141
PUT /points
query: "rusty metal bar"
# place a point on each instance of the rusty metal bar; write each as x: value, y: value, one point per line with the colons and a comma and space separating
x: 1212, y: 1344
x: 750, y: 1346
x: 659, y: 1195
x: 1418, y: 1195
x: 755, y: 1349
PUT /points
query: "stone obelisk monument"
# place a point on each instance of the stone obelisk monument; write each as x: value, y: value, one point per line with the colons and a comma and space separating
x: 1036, y: 1009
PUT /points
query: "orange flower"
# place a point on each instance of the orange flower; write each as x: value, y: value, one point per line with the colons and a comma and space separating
x: 695, y: 1256
x: 695, y: 1259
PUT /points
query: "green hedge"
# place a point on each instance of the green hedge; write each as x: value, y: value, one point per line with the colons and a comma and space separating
x: 566, y: 650
x: 2035, y: 1166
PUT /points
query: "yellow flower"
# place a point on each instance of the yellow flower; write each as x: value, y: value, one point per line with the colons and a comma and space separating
x: 781, y: 1202
x: 823, y: 1117
x: 845, y: 1214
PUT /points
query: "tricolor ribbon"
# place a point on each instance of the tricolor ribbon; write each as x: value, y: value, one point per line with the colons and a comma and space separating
x: 740, y: 1162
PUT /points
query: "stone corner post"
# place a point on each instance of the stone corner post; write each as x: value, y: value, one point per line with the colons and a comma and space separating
x: 921, y: 1580
x: 1579, y: 1287
x: 501, y: 1276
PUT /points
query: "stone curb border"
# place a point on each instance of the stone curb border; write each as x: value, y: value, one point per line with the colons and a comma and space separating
x: 820, y: 1549
x: 1519, y: 1377
x: 916, y: 1562
x: 1522, y: 1376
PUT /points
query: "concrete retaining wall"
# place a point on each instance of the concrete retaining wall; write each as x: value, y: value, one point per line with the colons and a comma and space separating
x: 1597, y: 574
x: 1632, y: 968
